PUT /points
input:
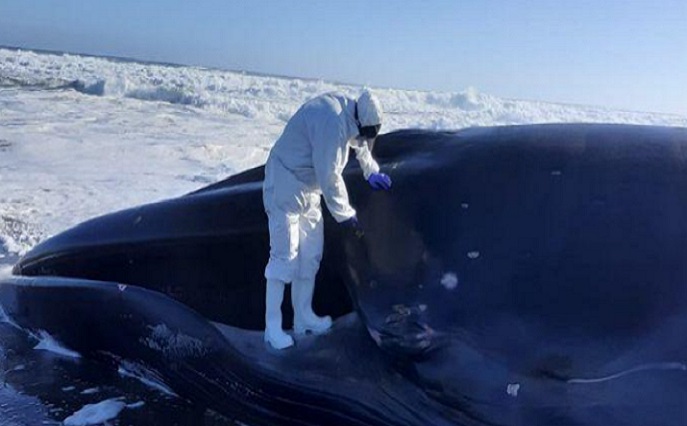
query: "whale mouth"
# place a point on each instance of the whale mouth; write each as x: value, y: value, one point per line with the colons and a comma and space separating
x: 655, y: 366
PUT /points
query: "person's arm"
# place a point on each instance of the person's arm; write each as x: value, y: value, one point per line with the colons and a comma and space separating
x: 329, y: 158
x: 371, y: 168
x: 367, y: 162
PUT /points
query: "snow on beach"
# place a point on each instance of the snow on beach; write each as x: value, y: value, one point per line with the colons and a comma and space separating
x: 83, y: 136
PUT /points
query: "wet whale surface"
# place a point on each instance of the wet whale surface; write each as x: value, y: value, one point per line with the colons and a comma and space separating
x: 517, y: 275
x: 538, y: 270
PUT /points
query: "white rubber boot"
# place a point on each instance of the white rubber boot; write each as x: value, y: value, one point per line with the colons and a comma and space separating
x: 304, y: 319
x: 274, y: 334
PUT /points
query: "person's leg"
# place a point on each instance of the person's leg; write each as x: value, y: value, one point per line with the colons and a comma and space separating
x: 311, y: 243
x: 280, y: 270
x: 274, y: 334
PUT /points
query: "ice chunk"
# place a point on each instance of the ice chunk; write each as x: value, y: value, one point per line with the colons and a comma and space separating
x: 93, y: 414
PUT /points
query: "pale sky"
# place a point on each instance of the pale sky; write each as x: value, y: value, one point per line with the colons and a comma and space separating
x: 617, y: 53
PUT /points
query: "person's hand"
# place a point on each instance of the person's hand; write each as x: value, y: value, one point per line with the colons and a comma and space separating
x: 352, y: 225
x: 379, y: 181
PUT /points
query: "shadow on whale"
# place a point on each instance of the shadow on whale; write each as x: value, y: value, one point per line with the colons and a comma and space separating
x: 514, y: 275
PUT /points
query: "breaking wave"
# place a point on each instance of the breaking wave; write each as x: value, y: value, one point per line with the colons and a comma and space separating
x: 276, y: 98
x: 249, y: 95
x: 173, y: 95
x: 223, y: 91
x: 16, y: 237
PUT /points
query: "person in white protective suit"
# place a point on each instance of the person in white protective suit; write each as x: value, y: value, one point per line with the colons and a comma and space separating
x: 305, y: 164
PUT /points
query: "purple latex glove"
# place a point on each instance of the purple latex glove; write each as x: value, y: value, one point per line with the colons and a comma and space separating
x: 379, y: 181
x: 353, y: 226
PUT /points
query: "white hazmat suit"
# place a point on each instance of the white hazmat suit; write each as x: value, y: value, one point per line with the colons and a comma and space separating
x: 305, y: 164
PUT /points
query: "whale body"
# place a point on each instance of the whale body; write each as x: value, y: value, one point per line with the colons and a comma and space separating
x: 513, y: 275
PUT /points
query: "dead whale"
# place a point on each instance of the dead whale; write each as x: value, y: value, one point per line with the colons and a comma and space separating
x: 513, y: 275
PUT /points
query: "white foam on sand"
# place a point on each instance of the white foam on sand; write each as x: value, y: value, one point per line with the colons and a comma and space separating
x: 5, y: 271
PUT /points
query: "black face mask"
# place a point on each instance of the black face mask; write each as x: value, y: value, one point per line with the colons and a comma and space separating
x: 366, y: 132
x: 369, y: 132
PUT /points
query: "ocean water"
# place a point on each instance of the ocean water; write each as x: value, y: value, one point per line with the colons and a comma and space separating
x: 83, y: 136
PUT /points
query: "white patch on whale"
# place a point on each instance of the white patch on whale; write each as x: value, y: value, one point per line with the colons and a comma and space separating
x: 512, y: 389
x: 449, y: 281
x: 136, y: 405
x: 7, y: 320
x: 173, y: 344
x: 3, y: 316
x: 678, y: 366
x: 145, y: 376
x: 48, y: 343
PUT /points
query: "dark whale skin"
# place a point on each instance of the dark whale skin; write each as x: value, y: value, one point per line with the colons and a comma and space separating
x: 513, y: 275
